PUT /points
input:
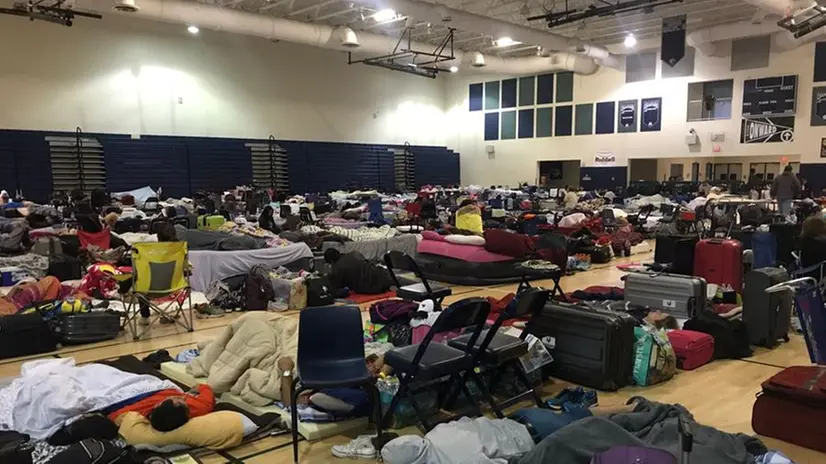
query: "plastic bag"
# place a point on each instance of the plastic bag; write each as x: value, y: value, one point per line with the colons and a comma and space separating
x: 654, y: 358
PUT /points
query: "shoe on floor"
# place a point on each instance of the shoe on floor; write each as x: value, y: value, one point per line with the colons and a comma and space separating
x: 568, y: 395
x: 143, y: 320
x: 208, y: 311
x: 358, y: 448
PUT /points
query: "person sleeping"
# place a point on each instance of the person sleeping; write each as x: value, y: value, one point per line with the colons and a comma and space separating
x: 167, y: 409
x: 352, y: 270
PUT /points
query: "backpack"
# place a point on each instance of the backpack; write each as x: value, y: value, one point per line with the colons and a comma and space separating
x: 318, y: 291
x: 91, y: 451
x: 387, y: 311
x: 258, y: 291
x: 731, y: 339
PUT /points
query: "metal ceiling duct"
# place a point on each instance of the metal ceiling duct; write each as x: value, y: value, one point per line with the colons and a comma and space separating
x: 240, y: 22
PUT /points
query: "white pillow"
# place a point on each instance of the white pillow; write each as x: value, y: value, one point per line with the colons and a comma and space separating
x: 474, y: 240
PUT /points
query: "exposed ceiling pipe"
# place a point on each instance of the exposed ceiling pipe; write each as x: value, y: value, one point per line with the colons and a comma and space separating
x: 707, y: 38
x: 337, y: 38
x: 463, y: 20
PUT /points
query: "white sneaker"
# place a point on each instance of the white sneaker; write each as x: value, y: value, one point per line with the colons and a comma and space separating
x: 358, y: 448
x: 143, y: 320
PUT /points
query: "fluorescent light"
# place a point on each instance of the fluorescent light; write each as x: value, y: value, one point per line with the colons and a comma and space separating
x: 630, y: 41
x: 384, y: 15
x: 506, y: 42
x: 454, y: 69
x: 193, y: 29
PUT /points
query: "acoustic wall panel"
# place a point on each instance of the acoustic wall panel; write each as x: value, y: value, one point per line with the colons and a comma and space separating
x: 525, y: 124
x: 509, y: 93
x: 476, y: 97
x: 492, y: 126
x: 563, y: 120
x: 584, y: 119
x: 544, y: 89
x: 544, y: 122
x: 29, y: 152
x: 605, y: 117
x: 492, y: 95
x: 508, y: 125
x: 527, y: 86
x: 564, y: 87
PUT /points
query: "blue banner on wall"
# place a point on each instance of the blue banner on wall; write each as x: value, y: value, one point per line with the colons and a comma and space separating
x: 627, y: 116
x: 651, y: 119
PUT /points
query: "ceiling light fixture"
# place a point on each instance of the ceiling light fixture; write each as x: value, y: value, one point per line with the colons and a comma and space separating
x: 193, y: 29
x: 506, y: 42
x: 454, y: 69
x: 630, y: 41
x: 384, y: 15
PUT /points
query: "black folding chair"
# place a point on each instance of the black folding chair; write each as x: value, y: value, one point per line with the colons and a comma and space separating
x: 426, y: 361
x: 609, y: 220
x: 495, y: 352
x: 331, y: 355
x: 421, y: 291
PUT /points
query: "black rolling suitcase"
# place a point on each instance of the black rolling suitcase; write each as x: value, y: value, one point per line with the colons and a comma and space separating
x: 75, y: 329
x: 767, y: 315
x: 24, y: 335
x: 590, y: 346
x: 677, y: 251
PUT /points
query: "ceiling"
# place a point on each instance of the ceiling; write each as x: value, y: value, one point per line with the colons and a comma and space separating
x: 600, y: 31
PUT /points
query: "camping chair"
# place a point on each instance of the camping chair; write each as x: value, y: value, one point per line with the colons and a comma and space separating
x: 376, y: 213
x: 416, y: 292
x: 331, y: 355
x: 496, y: 352
x: 426, y: 361
x: 414, y: 211
x: 101, y: 239
x: 609, y: 220
x: 159, y: 270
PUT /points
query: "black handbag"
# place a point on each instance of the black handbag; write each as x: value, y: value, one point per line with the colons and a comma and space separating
x: 319, y: 292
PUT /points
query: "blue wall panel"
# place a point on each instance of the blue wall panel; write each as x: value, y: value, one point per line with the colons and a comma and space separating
x: 598, y: 178
x: 154, y: 161
x: 217, y: 164
x: 30, y: 166
x: 8, y: 164
x: 436, y: 166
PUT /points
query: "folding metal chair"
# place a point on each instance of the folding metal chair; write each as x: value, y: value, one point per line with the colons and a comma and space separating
x: 416, y: 292
x: 423, y: 362
x: 159, y: 270
x: 496, y: 352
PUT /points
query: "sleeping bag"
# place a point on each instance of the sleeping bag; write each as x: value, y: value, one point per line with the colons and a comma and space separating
x: 469, y: 217
x: 13, y: 232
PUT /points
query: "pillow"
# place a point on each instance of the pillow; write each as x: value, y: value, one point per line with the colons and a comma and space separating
x: 507, y: 243
x: 216, y: 430
x: 432, y: 235
x: 474, y: 240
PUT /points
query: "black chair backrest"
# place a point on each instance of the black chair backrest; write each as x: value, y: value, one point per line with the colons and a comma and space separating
x: 395, y: 259
x: 330, y: 333
x: 608, y: 217
x: 529, y: 304
x: 469, y: 313
x: 285, y: 211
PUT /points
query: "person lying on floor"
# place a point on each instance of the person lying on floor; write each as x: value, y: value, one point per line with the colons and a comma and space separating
x: 167, y: 409
x: 352, y: 270
x: 483, y: 440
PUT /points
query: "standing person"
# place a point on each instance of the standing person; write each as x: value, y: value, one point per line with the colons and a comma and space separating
x: 784, y: 189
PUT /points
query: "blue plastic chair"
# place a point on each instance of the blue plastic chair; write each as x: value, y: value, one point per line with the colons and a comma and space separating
x: 376, y: 215
x: 331, y: 355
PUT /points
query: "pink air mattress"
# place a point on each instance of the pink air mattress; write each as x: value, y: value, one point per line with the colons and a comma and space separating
x: 469, y: 253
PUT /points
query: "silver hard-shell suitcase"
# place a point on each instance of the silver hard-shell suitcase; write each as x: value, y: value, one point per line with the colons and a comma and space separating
x: 678, y: 295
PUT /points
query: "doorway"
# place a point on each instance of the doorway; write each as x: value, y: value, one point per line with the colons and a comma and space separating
x: 642, y: 169
x: 558, y: 173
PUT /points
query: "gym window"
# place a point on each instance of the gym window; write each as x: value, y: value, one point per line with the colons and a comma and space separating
x: 708, y: 101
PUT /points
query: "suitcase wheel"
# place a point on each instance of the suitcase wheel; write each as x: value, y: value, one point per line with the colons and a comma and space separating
x: 786, y: 338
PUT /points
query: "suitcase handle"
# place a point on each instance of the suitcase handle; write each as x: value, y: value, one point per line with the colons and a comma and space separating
x: 686, y: 439
x: 791, y: 285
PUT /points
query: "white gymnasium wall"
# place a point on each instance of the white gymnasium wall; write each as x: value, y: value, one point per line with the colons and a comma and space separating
x: 139, y: 77
x: 515, y: 160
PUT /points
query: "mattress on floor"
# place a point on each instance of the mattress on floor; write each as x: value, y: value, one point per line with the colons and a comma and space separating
x: 374, y: 250
x: 470, y: 253
x: 311, y: 431
x: 460, y: 272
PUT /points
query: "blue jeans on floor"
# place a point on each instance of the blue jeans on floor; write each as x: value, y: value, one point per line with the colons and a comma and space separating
x: 546, y: 422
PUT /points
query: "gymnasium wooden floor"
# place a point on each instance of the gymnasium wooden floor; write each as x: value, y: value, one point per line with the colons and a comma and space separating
x: 720, y: 394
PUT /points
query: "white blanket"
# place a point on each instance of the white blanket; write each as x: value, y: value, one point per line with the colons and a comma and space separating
x: 51, y: 393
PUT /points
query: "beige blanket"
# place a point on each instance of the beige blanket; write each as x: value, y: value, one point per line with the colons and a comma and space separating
x: 243, y: 359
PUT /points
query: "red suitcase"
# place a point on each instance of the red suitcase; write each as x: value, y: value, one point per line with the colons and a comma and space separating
x: 720, y: 262
x: 693, y: 349
x: 792, y: 407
